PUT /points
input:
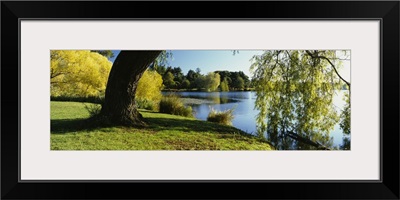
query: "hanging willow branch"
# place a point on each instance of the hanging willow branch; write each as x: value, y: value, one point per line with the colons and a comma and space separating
x: 333, y: 66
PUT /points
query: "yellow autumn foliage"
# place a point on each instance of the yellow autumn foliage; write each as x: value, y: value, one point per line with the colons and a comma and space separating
x: 78, y: 73
x: 149, y: 87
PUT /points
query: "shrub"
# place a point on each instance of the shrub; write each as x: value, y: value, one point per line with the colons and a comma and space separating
x: 93, y: 109
x: 172, y: 104
x: 221, y: 117
x: 146, y: 104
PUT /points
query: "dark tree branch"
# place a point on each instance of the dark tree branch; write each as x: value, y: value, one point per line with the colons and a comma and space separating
x: 333, y: 66
x: 305, y: 140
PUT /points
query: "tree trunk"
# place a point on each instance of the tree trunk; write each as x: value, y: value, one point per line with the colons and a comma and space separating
x: 119, y: 107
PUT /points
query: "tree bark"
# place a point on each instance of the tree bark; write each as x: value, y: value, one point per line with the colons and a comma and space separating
x: 119, y: 107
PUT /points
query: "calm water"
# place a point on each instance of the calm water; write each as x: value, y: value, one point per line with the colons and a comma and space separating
x: 245, y: 114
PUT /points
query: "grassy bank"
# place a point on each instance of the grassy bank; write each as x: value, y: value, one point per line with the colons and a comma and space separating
x: 203, y: 90
x: 165, y: 132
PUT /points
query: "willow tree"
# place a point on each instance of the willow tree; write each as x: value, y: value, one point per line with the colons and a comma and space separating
x: 78, y: 73
x: 295, y: 91
x: 119, y: 107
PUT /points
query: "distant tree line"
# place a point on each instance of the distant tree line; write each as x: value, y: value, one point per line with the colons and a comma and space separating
x: 173, y: 78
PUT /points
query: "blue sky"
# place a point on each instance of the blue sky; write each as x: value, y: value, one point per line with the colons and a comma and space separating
x: 210, y: 60
x: 214, y: 60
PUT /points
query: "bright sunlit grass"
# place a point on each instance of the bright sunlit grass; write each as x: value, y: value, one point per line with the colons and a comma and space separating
x: 164, y: 132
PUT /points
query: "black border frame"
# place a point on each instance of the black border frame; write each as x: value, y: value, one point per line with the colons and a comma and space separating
x: 385, y: 11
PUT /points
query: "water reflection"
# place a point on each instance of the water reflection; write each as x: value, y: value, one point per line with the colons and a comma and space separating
x: 245, y: 114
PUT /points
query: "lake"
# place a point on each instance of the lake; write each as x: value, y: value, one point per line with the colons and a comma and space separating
x: 245, y: 114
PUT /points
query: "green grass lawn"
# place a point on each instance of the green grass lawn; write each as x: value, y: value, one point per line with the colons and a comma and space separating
x: 164, y: 132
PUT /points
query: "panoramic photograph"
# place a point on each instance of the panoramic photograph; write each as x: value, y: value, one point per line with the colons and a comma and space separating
x: 200, y: 100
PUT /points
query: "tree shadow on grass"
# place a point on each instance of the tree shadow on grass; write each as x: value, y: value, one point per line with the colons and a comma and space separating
x: 62, y: 126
